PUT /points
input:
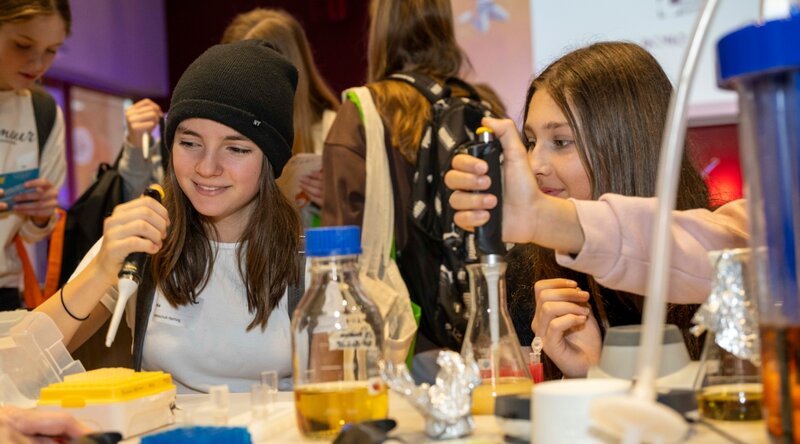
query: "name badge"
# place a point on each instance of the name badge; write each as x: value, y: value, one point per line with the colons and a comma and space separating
x: 183, y: 316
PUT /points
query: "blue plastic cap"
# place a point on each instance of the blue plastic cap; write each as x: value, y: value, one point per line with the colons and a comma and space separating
x: 333, y: 241
x: 759, y: 49
x: 201, y: 435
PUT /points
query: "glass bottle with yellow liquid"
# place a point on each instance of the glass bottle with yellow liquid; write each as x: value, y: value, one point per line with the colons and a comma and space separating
x: 337, y: 336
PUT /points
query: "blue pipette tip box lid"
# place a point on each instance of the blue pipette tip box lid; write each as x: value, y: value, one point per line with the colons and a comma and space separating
x: 201, y: 435
x: 758, y: 49
x: 333, y: 241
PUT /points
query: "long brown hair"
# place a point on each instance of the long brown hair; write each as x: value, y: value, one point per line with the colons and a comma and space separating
x: 413, y: 35
x: 242, y: 23
x: 615, y: 97
x: 313, y: 95
x: 266, y: 250
x: 15, y: 11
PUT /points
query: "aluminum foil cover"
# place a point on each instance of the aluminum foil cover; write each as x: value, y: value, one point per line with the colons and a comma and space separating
x: 446, y: 405
x: 729, y: 312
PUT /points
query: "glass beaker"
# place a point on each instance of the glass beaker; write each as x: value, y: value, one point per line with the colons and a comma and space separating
x: 491, y: 340
x: 760, y: 62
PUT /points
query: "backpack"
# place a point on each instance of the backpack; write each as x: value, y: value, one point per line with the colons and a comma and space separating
x: 433, y: 263
x: 44, y: 113
x: 84, y: 223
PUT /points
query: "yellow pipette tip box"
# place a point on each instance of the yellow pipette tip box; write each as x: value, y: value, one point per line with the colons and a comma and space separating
x: 114, y: 399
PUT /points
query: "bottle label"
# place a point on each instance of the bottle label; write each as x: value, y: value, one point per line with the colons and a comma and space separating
x: 357, y: 334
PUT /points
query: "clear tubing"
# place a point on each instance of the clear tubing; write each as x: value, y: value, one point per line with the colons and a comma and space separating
x: 672, y: 144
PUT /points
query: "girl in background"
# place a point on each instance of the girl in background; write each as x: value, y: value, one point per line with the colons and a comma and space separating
x: 31, y: 33
x: 405, y: 35
x: 315, y: 104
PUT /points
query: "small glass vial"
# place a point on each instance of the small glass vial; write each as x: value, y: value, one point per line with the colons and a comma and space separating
x: 535, y: 364
x: 337, y: 337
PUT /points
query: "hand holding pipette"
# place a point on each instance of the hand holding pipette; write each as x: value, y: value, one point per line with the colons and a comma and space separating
x: 141, y: 118
x: 130, y: 275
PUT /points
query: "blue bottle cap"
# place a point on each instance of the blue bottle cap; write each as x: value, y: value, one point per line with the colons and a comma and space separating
x: 333, y: 241
x: 201, y: 435
x: 754, y: 50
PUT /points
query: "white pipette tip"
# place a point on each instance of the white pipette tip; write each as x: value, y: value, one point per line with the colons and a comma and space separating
x: 127, y: 288
x: 145, y: 146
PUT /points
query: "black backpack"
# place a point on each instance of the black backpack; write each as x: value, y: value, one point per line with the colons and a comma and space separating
x: 433, y: 263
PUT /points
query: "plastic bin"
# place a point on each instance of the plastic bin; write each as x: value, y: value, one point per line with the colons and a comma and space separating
x: 32, y: 355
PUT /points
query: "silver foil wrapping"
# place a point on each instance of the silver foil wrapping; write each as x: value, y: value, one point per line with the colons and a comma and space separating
x: 728, y: 311
x: 446, y: 405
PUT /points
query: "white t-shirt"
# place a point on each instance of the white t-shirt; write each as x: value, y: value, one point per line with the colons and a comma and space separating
x: 207, y: 343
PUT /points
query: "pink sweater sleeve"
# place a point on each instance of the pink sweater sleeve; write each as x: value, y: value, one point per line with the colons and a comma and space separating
x: 619, y: 230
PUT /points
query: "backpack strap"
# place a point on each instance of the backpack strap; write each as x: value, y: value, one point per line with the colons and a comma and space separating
x: 144, y: 303
x: 427, y: 86
x: 471, y: 91
x: 44, y: 113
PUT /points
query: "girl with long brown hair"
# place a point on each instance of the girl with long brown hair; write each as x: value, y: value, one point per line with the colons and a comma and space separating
x: 224, y: 243
x: 593, y: 126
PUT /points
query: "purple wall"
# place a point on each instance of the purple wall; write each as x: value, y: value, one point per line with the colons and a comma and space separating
x: 117, y: 46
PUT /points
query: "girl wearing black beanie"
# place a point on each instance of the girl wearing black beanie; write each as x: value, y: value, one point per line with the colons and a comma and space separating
x: 224, y: 242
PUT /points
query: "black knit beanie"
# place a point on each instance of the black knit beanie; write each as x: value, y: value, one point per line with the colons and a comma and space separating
x: 245, y: 85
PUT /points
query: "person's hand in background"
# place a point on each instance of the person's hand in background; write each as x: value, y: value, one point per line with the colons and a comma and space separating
x: 311, y: 184
x: 141, y: 118
x: 39, y: 203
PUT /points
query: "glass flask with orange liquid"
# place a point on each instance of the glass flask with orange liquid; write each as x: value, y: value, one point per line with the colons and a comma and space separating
x: 491, y: 340
x: 337, y: 337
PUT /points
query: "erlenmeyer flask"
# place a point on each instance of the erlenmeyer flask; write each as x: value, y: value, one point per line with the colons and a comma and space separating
x: 491, y: 339
x: 729, y: 383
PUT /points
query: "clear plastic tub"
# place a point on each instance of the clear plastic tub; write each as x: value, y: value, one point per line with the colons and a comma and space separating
x: 32, y: 356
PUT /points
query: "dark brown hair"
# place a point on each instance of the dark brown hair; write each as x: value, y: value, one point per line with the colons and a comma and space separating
x: 313, y: 95
x: 266, y: 251
x: 615, y: 97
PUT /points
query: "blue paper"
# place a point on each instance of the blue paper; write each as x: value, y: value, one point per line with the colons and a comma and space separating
x: 14, y: 184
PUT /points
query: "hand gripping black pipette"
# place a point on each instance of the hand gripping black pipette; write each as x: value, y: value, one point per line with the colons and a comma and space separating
x: 130, y: 275
x: 489, y: 237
